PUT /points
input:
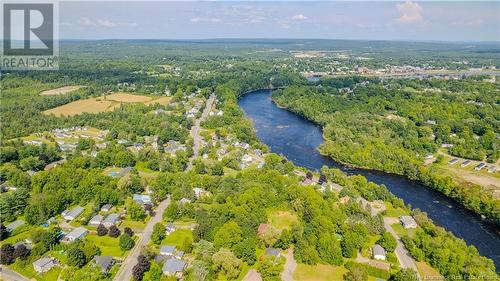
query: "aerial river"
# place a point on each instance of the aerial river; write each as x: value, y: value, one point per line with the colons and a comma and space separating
x: 297, y: 138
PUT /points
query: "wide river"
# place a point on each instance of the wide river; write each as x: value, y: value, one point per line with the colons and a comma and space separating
x: 297, y: 139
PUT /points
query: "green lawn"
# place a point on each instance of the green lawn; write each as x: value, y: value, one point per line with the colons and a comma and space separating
x: 27, y: 270
x: 319, y: 272
x: 134, y: 224
x: 394, y: 212
x: 282, y: 219
x: 177, y: 237
x: 18, y: 237
x: 109, y: 246
x: 401, y: 231
x: 366, y: 248
x: 427, y: 272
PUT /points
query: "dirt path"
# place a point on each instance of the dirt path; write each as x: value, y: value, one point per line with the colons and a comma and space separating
x: 252, y: 275
x: 290, y: 266
x: 125, y: 271
x: 195, y: 130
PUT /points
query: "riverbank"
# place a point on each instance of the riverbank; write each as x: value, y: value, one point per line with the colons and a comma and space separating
x: 466, y: 196
x: 297, y: 139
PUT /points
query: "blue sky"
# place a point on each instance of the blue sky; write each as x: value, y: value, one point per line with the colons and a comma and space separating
x: 380, y: 20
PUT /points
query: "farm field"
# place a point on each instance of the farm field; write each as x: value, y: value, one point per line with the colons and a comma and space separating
x: 60, y: 91
x: 103, y: 104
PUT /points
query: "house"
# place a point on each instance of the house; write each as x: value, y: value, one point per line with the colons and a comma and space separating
x: 465, y: 163
x: 96, y: 220
x: 44, y: 264
x: 169, y: 228
x: 106, y: 207
x: 378, y: 252
x: 104, y: 262
x: 453, y: 161
x: 73, y: 214
x: 142, y: 199
x: 408, y: 222
x: 111, y: 219
x: 173, y: 267
x: 167, y: 250
x: 179, y: 255
x: 184, y: 201
x: 198, y: 192
x: 273, y: 252
x: 76, y: 234
x: 262, y: 229
x: 480, y: 166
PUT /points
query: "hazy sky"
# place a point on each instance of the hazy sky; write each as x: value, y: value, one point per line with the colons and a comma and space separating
x: 388, y: 20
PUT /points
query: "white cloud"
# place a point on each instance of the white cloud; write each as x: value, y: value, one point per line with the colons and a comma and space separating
x: 299, y: 17
x: 409, y: 12
x: 86, y: 22
x: 200, y: 19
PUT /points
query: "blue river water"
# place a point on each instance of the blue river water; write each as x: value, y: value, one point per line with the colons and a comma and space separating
x: 297, y: 138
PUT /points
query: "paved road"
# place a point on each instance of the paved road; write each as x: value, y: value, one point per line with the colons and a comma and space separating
x: 404, y: 258
x: 7, y: 274
x: 125, y: 271
x: 195, y: 130
x: 289, y: 267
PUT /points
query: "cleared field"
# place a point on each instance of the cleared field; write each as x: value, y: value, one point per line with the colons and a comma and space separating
x: 427, y: 272
x: 282, y: 219
x: 319, y: 272
x: 60, y: 91
x: 103, y: 104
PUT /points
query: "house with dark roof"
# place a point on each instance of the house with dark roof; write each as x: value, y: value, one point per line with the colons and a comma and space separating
x: 104, y: 263
x: 273, y: 252
x: 167, y: 250
x: 174, y: 267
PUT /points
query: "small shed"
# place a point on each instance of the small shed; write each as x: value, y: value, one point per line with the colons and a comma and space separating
x: 104, y: 262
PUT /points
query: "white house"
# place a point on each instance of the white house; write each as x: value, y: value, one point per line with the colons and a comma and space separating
x: 408, y: 222
x: 44, y: 264
x: 378, y: 252
x: 73, y: 214
x: 96, y: 220
x: 75, y: 234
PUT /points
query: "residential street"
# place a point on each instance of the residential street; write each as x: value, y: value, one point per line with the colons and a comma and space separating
x: 7, y: 274
x: 404, y: 258
x: 125, y: 271
x: 195, y: 130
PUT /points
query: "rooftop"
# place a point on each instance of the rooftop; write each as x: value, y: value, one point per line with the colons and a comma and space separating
x: 173, y: 266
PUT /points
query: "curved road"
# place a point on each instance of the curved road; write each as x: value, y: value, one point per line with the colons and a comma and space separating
x: 125, y: 271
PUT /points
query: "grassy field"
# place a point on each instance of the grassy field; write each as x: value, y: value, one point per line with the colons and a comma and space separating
x: 320, y: 272
x: 103, y: 104
x: 60, y: 91
x: 394, y: 212
x: 27, y: 270
x: 177, y: 237
x: 427, y: 272
x: 109, y: 246
x: 282, y: 219
x: 401, y: 231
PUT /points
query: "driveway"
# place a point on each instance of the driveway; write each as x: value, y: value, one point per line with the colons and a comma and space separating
x: 289, y: 267
x: 195, y: 130
x: 404, y: 258
x: 252, y: 275
x: 125, y: 271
